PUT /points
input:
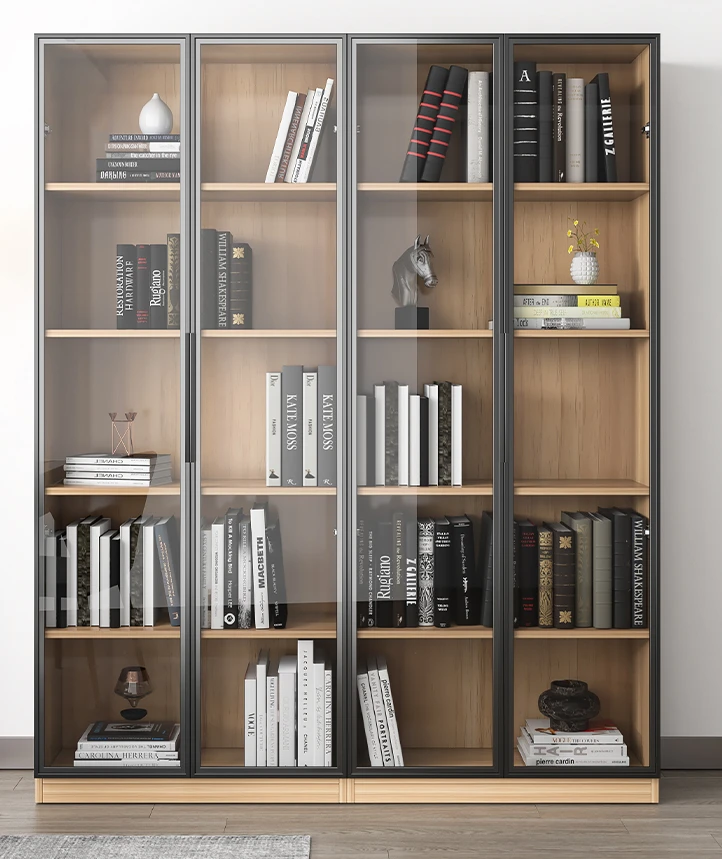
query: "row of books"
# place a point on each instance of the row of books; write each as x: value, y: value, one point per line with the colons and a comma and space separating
x: 563, y: 129
x: 589, y: 570
x: 140, y: 158
x: 602, y: 744
x: 301, y: 426
x: 447, y: 94
x: 129, y: 744
x: 378, y: 714
x: 226, y: 281
x: 147, y: 285
x: 242, y: 578
x: 551, y: 306
x: 299, y: 133
x: 102, y: 469
x: 406, y: 439
x: 99, y: 575
x: 422, y: 572
x: 288, y: 710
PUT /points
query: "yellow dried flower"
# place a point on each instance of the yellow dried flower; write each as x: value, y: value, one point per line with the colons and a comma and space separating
x: 570, y: 249
x: 594, y: 242
x: 569, y: 232
x: 596, y: 231
x: 576, y: 223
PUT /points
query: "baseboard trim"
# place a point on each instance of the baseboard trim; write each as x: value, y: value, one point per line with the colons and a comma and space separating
x: 692, y: 753
x: 16, y: 753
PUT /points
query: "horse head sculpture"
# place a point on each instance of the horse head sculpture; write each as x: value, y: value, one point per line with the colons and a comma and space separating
x: 415, y: 262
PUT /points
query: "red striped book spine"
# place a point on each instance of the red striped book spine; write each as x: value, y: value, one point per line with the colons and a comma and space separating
x: 424, y: 124
x: 448, y: 112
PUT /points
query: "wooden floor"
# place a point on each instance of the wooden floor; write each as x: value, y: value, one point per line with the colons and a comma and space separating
x: 686, y: 823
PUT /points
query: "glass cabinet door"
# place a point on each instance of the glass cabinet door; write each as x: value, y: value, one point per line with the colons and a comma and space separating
x: 423, y: 693
x: 270, y: 406
x: 111, y: 444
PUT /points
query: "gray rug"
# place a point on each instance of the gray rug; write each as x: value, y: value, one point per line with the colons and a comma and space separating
x: 155, y: 847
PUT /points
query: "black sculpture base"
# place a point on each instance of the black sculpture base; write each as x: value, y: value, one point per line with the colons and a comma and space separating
x: 133, y: 714
x: 412, y: 318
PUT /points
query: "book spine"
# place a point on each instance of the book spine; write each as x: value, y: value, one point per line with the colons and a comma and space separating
x: 567, y: 312
x: 362, y: 475
x: 559, y: 127
x: 528, y: 575
x: 173, y: 280
x: 362, y: 604
x: 225, y: 243
x: 602, y: 592
x: 443, y: 584
x: 369, y: 720
x: 307, y: 166
x: 544, y: 93
x: 327, y: 425
x: 125, y: 286
x: 372, y: 535
x: 546, y: 576
x: 278, y: 604
x: 303, y: 122
x: 60, y: 591
x: 261, y: 722
x: 403, y: 435
x: 466, y: 580
x: 571, y: 324
x: 165, y: 536
x: 136, y: 573
x: 281, y: 137
x: 217, y: 556
x: 444, y: 434
x: 486, y: 558
x: 477, y: 129
x: 144, y: 138
x: 424, y: 123
x: 51, y: 602
x: 260, y: 571
x: 390, y: 710
x: 622, y: 570
x: 290, y: 137
x: 291, y: 401
x: 383, y: 573
x: 309, y: 429
x: 142, y: 286
x: 126, y: 175
x: 158, y: 286
x: 304, y: 148
x: 445, y: 119
x: 241, y: 286
x: 607, y: 145
x: 152, y: 164
x: 387, y: 755
x: 564, y: 579
x: 328, y: 717
x: 639, y: 572
x: 456, y: 435
x: 584, y: 552
x: 391, y: 433
x: 72, y: 546
x: 575, y: 130
x: 245, y: 574
x: 272, y: 720
x: 206, y: 564
x: 380, y: 434
x: 209, y: 278
x: 230, y: 564
x: 306, y: 728
x: 515, y: 564
x: 526, y: 123
x: 249, y: 696
x: 150, y: 573
x: 566, y: 301
x: 398, y: 572
x: 411, y: 551
x: 287, y: 719
x: 139, y: 159
x: 87, y: 590
x: 591, y: 133
x: 425, y: 529
x: 423, y: 441
x: 125, y: 755
x: 414, y: 440
x: 273, y: 429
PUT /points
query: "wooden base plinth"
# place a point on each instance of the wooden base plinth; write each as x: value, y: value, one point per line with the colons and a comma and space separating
x: 345, y: 791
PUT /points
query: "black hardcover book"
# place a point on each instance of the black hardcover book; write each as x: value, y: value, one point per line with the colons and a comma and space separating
x: 326, y: 425
x: 362, y: 537
x: 173, y: 280
x: 241, y: 289
x: 277, y: 599
x: 59, y: 594
x: 383, y: 574
x: 136, y: 572
x: 424, y: 124
x: 607, y: 151
x: 144, y: 138
x: 486, y: 569
x: 291, y: 420
x: 528, y: 564
x: 370, y: 441
x: 225, y: 249
x: 526, y: 123
x: 230, y: 565
x: 591, y: 133
x: 425, y: 533
x: 131, y: 732
x: 398, y: 571
x: 640, y: 560
x: 467, y: 582
x: 545, y: 539
x: 621, y: 566
x: 544, y: 94
x: 444, y: 436
x: 142, y: 286
x: 391, y: 453
x: 564, y: 573
x: 443, y: 576
x: 559, y: 127
x: 424, y: 441
x: 454, y: 93
x: 115, y: 582
x: 125, y: 286
x: 516, y: 591
x: 158, y: 286
x: 209, y: 278
x: 411, y: 551
x: 168, y: 547
x: 371, y: 534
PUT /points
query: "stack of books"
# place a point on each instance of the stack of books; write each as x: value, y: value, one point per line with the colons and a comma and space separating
x: 147, y: 285
x: 129, y: 744
x: 103, y: 469
x: 567, y: 306
x: 140, y: 158
x: 289, y: 710
x: 299, y: 134
x: 601, y: 745
x: 379, y: 714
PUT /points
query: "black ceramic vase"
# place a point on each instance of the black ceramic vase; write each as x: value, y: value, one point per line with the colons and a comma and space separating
x: 569, y: 705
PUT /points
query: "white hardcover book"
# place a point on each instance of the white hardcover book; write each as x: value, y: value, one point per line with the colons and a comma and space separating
x: 575, y: 129
x: 382, y: 728
x: 96, y: 530
x: 299, y: 135
x: 245, y: 574
x: 125, y: 559
x: 51, y: 580
x: 328, y: 713
x: 317, y: 129
x: 272, y: 720
x: 380, y: 433
x: 414, y: 440
x: 127, y: 763
x: 319, y: 714
x: 599, y: 732
x: 218, y: 553
x: 477, y: 127
x: 287, y: 668
x: 369, y: 720
x: 362, y: 478
x: 281, y: 136
x: 391, y: 720
x: 260, y: 569
x: 261, y: 692
x: 611, y: 750
x: 306, y: 134
x: 403, y: 440
x: 273, y: 429
x: 206, y: 568
x: 431, y: 392
x: 310, y: 429
x: 249, y: 699
x: 104, y: 586
x: 150, y: 573
x: 306, y: 722
x: 571, y: 760
x: 456, y: 436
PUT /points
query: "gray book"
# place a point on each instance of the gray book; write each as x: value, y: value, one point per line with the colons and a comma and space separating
x: 602, y: 571
x: 292, y: 419
x: 581, y: 524
x: 326, y: 427
x: 444, y: 433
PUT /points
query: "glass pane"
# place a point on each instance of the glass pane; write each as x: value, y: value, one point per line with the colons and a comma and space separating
x: 268, y: 275
x: 111, y: 439
x: 423, y: 279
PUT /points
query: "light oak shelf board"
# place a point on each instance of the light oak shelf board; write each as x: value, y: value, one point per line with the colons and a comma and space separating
x: 61, y: 489
x: 580, y: 487
x: 283, y: 53
x: 432, y: 192
x: 478, y: 487
x: 431, y: 334
x: 258, y: 487
x: 269, y: 192
x: 164, y: 630
x: 455, y: 632
x: 110, y: 333
x: 131, y: 192
x: 300, y: 625
x: 585, y: 334
x: 579, y: 192
x: 576, y: 634
x: 158, y: 52
x: 268, y: 333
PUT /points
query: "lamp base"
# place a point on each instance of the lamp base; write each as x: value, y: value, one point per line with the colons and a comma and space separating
x: 133, y: 714
x: 412, y: 318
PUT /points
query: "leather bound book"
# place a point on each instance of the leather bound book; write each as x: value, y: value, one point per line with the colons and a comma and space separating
x: 424, y: 123
x: 546, y: 576
x: 528, y: 569
x: 581, y: 524
x: 601, y: 571
x: 544, y: 95
x: 559, y: 127
x: 621, y: 566
x: 526, y: 123
x: 445, y: 119
x: 564, y: 564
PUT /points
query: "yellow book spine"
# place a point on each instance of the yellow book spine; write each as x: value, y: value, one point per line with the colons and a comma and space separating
x: 598, y: 301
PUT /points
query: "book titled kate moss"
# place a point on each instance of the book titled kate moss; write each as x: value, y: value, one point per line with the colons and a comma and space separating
x: 291, y: 418
x: 326, y: 425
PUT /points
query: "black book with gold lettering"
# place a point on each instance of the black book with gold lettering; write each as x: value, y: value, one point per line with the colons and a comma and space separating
x: 564, y: 571
x: 383, y: 573
x: 546, y: 575
x: 528, y: 564
x: 241, y: 288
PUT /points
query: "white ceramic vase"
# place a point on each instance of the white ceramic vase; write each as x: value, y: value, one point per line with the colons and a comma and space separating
x: 156, y: 117
x: 585, y: 267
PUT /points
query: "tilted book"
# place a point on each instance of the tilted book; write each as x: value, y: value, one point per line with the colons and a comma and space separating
x: 478, y: 123
x: 281, y: 136
x: 426, y: 571
x: 424, y: 124
x: 290, y: 141
x: 564, y: 561
x: 327, y: 425
x: 306, y: 136
x: 607, y: 150
x: 292, y: 417
x: 309, y: 428
x: 298, y: 139
x: 546, y: 576
x: 443, y: 576
x: 602, y: 591
x: 526, y: 123
x: 382, y: 728
x: 575, y: 129
x: 581, y: 524
x: 260, y: 568
x: 273, y: 429
x: 318, y: 128
x: 559, y: 127
x: 368, y: 717
x: 467, y: 583
x: 445, y: 119
x: 391, y: 720
x: 168, y: 546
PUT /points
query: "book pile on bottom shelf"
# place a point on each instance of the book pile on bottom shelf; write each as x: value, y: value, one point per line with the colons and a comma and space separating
x: 601, y: 744
x: 289, y: 710
x: 129, y: 744
x: 379, y: 714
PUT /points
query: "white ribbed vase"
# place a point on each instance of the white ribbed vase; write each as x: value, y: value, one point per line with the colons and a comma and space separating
x: 156, y: 117
x: 585, y: 267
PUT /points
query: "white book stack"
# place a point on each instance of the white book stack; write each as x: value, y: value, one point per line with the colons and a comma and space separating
x: 129, y: 744
x: 378, y: 714
x: 602, y: 744
x: 102, y: 469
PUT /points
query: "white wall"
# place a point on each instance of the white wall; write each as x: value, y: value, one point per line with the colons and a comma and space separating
x: 691, y: 329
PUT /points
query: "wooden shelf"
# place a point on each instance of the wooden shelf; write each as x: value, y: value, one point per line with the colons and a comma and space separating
x: 474, y: 487
x: 268, y: 333
x: 131, y: 192
x: 583, y: 334
x: 576, y: 634
x: 580, y: 487
x: 258, y: 487
x: 455, y: 632
x: 268, y: 192
x: 61, y: 489
x: 162, y: 630
x: 579, y: 192
x: 431, y: 334
x: 110, y: 333
x: 432, y: 192
x: 302, y: 623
